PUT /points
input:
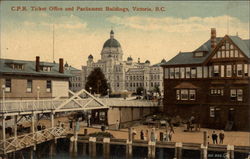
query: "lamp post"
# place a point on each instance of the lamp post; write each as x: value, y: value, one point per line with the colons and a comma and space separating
x: 38, y: 92
x: 108, y: 92
x: 3, y: 100
x: 90, y: 90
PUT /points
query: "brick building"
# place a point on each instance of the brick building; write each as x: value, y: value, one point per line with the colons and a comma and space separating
x: 33, y: 79
x: 211, y: 83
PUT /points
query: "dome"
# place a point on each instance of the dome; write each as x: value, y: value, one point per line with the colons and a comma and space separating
x: 112, y: 43
x: 129, y: 59
x: 66, y: 64
x: 147, y: 61
x: 90, y: 56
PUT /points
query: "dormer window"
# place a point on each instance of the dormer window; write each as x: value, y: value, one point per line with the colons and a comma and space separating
x: 45, y: 68
x: 198, y: 54
x: 16, y: 66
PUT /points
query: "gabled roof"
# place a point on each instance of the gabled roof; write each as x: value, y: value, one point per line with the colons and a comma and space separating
x: 244, y: 45
x: 188, y: 57
x: 30, y: 69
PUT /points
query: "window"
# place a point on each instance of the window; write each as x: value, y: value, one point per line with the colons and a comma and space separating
x: 198, y: 54
x: 228, y: 70
x: 217, y: 91
x: 245, y: 70
x: 222, y: 70
x: 182, y: 72
x: 184, y: 94
x: 216, y: 71
x: 239, y: 95
x: 192, y: 94
x: 219, y: 54
x: 231, y: 53
x: 187, y: 72
x: 223, y: 54
x: 239, y: 70
x: 117, y: 84
x: 29, y: 86
x: 48, y: 86
x: 236, y: 53
x: 227, y: 45
x: 227, y: 53
x: 178, y: 94
x: 193, y: 72
x: 18, y: 66
x: 212, y: 112
x: 199, y: 72
x: 7, y: 85
x: 45, y: 68
x: 171, y: 73
x: 205, y: 72
x: 177, y: 72
x: 236, y: 94
x: 210, y: 71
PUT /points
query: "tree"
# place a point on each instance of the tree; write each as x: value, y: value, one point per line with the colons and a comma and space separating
x: 96, y: 82
x: 157, y: 90
x: 139, y: 90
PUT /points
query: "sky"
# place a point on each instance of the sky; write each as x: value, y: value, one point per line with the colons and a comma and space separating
x: 148, y: 35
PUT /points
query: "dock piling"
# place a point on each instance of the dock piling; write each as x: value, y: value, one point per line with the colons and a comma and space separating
x: 106, y: 147
x: 178, y: 150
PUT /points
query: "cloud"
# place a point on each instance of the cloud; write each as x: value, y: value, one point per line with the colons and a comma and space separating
x: 172, y: 25
x: 63, y: 22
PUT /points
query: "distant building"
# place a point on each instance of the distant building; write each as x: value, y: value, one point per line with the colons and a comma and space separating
x: 124, y: 75
x: 211, y: 83
x: 75, y: 82
x: 22, y: 79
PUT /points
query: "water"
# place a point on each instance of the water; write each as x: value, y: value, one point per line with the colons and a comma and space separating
x: 61, y: 151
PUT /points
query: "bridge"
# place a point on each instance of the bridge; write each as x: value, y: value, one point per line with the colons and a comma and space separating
x: 18, y: 109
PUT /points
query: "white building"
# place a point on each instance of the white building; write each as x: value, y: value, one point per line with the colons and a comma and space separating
x: 123, y: 75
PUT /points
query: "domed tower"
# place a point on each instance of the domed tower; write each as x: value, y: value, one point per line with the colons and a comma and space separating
x: 90, y: 60
x: 112, y: 49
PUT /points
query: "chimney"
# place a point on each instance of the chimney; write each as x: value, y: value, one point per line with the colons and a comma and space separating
x: 61, y: 69
x: 37, y: 64
x: 213, y: 38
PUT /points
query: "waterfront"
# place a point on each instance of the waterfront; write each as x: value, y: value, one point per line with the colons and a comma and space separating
x: 44, y: 151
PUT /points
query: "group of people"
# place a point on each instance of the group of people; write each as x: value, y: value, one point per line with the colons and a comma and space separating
x: 144, y: 135
x: 215, y: 137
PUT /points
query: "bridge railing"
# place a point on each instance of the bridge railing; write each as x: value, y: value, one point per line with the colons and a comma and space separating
x: 49, y: 104
x: 26, y: 140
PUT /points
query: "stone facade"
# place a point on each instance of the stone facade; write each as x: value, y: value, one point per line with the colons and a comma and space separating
x: 123, y: 75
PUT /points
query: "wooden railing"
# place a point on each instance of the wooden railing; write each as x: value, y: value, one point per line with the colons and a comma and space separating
x: 31, y: 139
x: 47, y: 105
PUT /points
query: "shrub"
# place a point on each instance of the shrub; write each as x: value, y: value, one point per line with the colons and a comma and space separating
x: 101, y: 134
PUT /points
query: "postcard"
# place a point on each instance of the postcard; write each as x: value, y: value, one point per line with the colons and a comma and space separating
x: 125, y: 79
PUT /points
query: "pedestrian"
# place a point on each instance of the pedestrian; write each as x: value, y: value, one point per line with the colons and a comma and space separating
x: 117, y: 125
x: 70, y: 124
x: 89, y: 120
x: 221, y: 136
x: 169, y: 134
x: 133, y: 133
x: 214, y: 137
x: 142, y: 135
x: 165, y: 136
x: 153, y: 135
x: 146, y: 135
